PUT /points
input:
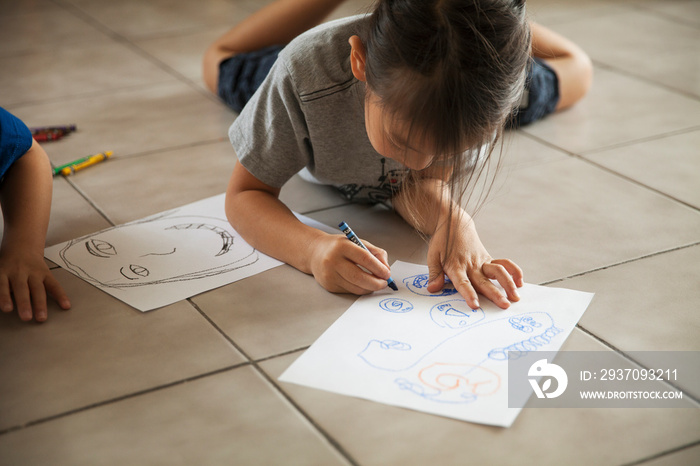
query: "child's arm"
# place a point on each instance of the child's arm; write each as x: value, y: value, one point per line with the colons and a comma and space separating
x: 25, y: 196
x: 571, y: 64
x: 253, y: 208
x: 469, y: 266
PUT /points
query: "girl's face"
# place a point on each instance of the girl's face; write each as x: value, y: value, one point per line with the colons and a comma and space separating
x: 391, y: 137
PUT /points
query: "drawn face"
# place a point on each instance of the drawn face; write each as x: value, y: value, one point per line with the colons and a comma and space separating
x: 418, y: 284
x: 158, y: 251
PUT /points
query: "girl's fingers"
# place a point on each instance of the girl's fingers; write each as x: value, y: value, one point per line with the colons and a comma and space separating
x: 379, y: 253
x: 491, y: 291
x: 5, y: 297
x: 38, y: 299
x: 365, y: 259
x: 56, y: 292
x: 499, y: 273
x: 22, y: 299
x: 464, y: 287
x: 513, y: 269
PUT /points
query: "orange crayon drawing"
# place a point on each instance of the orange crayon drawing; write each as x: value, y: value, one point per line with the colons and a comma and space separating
x: 469, y: 378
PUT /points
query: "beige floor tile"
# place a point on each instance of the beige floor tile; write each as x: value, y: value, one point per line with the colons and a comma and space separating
x: 76, y: 70
x: 274, y: 312
x: 618, y: 109
x: 374, y: 433
x: 99, y: 350
x: 234, y: 417
x: 567, y: 217
x: 667, y: 44
x: 683, y: 11
x: 131, y: 188
x: 136, y: 19
x: 71, y: 215
x: 684, y: 457
x: 184, y: 52
x: 645, y: 305
x: 24, y: 6
x: 45, y: 27
x: 561, y: 11
x: 131, y: 121
x: 669, y: 164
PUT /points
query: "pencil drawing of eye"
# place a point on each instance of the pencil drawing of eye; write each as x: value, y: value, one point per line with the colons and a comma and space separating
x: 100, y: 248
x: 136, y: 270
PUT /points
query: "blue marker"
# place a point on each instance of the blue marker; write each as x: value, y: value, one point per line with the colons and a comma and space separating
x: 345, y: 228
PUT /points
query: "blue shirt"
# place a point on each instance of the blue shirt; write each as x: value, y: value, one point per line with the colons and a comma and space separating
x: 15, y: 140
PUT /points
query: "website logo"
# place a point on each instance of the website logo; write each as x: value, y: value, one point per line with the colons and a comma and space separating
x: 548, y: 372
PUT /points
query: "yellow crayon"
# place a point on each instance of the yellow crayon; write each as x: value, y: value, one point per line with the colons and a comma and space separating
x: 92, y: 160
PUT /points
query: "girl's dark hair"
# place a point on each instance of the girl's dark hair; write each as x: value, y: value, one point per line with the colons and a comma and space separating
x: 452, y: 71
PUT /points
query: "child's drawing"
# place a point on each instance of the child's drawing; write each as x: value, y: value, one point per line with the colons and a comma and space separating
x: 164, y: 258
x: 431, y: 352
x: 157, y: 250
x: 418, y: 284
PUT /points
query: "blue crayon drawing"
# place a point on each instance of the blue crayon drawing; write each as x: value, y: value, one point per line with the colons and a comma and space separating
x: 462, y: 381
x: 380, y: 354
x: 455, y: 314
x: 418, y: 284
x: 525, y: 323
x: 396, y: 305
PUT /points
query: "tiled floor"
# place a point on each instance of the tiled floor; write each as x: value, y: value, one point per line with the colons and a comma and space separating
x: 603, y: 198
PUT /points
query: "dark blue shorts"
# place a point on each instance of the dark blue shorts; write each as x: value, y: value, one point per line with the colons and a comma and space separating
x: 541, y: 94
x: 241, y: 75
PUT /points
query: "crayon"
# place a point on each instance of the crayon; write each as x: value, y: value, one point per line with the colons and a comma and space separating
x: 64, y: 128
x: 345, y: 228
x: 77, y: 165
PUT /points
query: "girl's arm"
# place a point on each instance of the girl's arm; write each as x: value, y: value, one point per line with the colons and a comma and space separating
x: 571, y: 64
x: 469, y: 266
x: 26, y: 203
x: 253, y: 208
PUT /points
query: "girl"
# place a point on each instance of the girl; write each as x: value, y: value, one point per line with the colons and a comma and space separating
x: 399, y: 105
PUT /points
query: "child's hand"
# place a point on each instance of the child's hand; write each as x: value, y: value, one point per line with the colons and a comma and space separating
x: 334, y: 264
x: 27, y: 277
x: 470, y: 267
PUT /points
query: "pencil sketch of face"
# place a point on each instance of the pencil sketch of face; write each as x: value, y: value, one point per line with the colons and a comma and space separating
x: 158, y: 250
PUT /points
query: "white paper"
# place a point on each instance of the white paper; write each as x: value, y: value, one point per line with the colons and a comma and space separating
x: 433, y: 353
x: 164, y: 258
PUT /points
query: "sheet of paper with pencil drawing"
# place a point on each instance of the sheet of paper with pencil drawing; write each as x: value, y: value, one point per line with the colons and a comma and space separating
x: 164, y: 258
x: 433, y: 353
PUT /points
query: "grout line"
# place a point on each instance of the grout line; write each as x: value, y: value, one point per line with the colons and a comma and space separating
x: 664, y: 453
x: 89, y: 201
x: 674, y: 90
x: 136, y: 49
x: 120, y: 398
x: 655, y: 137
x: 609, y: 266
x: 284, y: 353
x: 206, y: 142
x: 254, y: 363
x: 582, y: 158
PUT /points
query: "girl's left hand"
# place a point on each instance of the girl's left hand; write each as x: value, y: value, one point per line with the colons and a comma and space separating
x: 470, y: 267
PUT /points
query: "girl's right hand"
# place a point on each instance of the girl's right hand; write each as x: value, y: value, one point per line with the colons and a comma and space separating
x: 334, y: 263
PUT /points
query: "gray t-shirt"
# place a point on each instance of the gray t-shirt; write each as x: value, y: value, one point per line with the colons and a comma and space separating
x: 308, y: 115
